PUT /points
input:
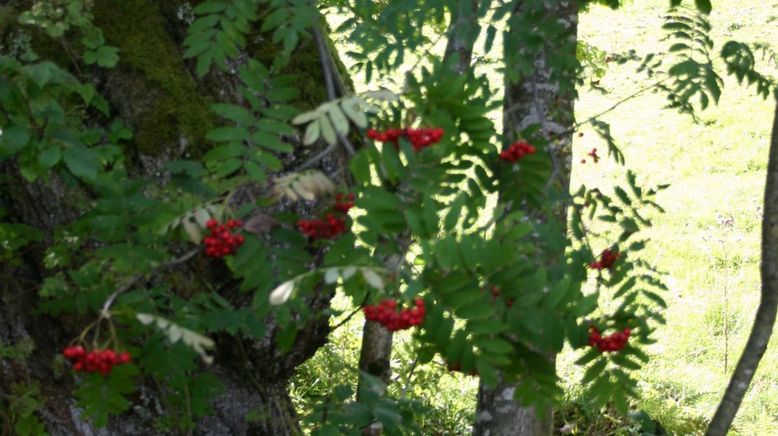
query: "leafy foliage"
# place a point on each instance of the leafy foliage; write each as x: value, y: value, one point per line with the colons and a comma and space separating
x: 56, y: 19
x: 38, y: 130
x: 102, y: 397
x: 386, y: 32
x: 694, y: 74
x: 219, y: 31
x: 741, y: 63
x: 333, y: 118
x: 256, y: 133
x: 17, y: 410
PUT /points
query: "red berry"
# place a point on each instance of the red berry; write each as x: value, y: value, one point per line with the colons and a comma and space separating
x: 124, y: 357
x: 73, y: 352
x: 607, y: 259
x: 516, y: 151
x: 594, y: 155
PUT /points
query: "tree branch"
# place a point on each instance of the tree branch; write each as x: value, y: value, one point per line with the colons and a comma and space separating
x: 105, y: 311
x: 310, y: 163
x: 329, y: 81
x: 346, y: 319
x: 410, y: 377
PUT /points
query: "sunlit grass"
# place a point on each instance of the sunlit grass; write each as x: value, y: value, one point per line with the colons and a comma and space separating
x: 716, y: 171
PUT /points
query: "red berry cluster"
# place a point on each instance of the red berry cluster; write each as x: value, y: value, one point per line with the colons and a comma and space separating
x: 332, y: 225
x: 97, y: 360
x: 419, y: 138
x: 516, y: 151
x: 613, y: 342
x: 607, y: 259
x: 223, y: 241
x: 327, y: 228
x: 344, y: 202
x: 388, y: 135
x: 386, y: 313
x: 594, y: 156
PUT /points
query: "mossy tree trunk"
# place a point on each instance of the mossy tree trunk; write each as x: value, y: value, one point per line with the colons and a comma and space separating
x: 156, y: 93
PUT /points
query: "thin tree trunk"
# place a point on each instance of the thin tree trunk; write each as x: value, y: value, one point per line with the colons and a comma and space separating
x: 375, y: 356
x: 535, y: 100
x: 155, y: 92
x: 376, y: 352
x: 764, y: 322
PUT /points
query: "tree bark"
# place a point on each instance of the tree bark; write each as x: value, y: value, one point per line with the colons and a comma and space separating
x: 376, y: 353
x: 764, y: 322
x: 374, y: 359
x: 542, y: 99
x: 155, y: 92
x: 462, y: 33
x: 498, y: 414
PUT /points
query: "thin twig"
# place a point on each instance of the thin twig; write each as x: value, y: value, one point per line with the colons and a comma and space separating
x: 426, y: 53
x: 340, y: 85
x: 410, y: 376
x: 347, y: 145
x: 359, y: 307
x: 326, y: 65
x: 312, y: 161
x: 105, y: 311
x: 576, y: 126
x: 73, y: 57
x: 346, y: 319
x: 586, y: 240
x: 326, y: 410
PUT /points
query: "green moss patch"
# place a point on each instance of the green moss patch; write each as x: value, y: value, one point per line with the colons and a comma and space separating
x: 151, y: 86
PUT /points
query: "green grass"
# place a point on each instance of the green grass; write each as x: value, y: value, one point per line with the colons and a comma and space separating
x: 716, y: 169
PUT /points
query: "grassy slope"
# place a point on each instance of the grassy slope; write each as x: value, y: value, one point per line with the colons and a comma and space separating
x: 716, y: 171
